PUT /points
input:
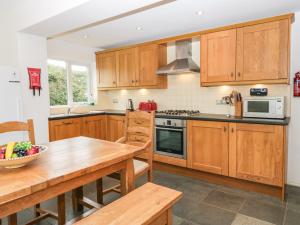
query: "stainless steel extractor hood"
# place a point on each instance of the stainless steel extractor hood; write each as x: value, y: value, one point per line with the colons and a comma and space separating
x: 183, y: 63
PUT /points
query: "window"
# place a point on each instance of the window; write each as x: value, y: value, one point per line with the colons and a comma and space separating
x: 69, y: 83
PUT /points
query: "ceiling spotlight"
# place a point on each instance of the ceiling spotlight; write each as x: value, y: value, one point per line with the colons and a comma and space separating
x: 139, y: 28
x: 199, y: 13
x: 86, y: 36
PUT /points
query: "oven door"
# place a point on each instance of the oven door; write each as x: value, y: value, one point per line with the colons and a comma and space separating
x: 170, y: 141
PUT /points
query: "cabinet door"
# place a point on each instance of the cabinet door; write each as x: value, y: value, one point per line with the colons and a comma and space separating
x: 256, y: 153
x: 115, y: 127
x: 218, y: 56
x: 262, y: 51
x: 150, y: 58
x: 66, y: 128
x: 207, y: 144
x: 94, y: 127
x: 127, y: 66
x: 106, y: 68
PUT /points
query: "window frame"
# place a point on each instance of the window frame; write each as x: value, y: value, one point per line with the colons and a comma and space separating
x: 70, y: 101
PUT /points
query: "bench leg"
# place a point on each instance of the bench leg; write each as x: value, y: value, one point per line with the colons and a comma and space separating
x: 150, y: 176
x: 36, y: 210
x: 12, y: 219
x: 170, y: 217
x: 99, y: 186
x: 76, y: 195
x: 61, y: 209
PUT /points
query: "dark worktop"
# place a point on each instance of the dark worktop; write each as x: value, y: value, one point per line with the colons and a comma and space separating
x: 201, y: 116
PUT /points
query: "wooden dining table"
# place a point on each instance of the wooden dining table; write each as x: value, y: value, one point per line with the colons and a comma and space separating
x: 66, y: 165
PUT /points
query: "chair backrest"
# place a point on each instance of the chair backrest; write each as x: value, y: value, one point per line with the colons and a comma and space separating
x: 139, y: 128
x: 14, y: 126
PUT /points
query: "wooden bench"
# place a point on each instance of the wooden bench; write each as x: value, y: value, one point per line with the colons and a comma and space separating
x: 148, y: 204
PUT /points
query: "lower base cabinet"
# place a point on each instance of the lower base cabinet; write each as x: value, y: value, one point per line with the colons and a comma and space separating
x: 257, y: 153
x: 65, y: 128
x: 94, y: 127
x: 115, y: 127
x: 103, y: 127
x: 207, y: 146
x: 253, y: 152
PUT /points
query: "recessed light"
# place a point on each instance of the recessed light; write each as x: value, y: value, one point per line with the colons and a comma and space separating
x: 199, y: 13
x: 139, y: 28
x: 86, y: 36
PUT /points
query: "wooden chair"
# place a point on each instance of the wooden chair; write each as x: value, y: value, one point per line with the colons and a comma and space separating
x: 139, y: 128
x: 15, y: 126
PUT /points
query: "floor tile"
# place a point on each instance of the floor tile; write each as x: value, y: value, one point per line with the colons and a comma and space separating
x: 293, y: 201
x: 203, y: 214
x: 263, y: 211
x: 292, y: 218
x: 225, y: 200
x: 246, y: 220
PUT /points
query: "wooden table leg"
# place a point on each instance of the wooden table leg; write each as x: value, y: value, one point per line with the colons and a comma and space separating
x: 127, y: 178
x: 77, y: 194
x: 99, y: 187
x: 61, y: 209
x: 12, y: 219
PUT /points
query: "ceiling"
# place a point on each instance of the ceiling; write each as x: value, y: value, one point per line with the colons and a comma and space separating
x: 168, y: 19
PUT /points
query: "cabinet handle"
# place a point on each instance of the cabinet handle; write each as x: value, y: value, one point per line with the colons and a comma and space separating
x: 231, y: 74
x: 114, y: 82
x: 67, y: 122
x: 239, y: 74
x: 132, y: 81
x: 225, y: 129
x: 136, y: 81
x: 232, y: 130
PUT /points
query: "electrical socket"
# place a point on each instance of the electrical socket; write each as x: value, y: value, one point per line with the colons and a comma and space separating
x: 115, y: 100
x: 221, y: 102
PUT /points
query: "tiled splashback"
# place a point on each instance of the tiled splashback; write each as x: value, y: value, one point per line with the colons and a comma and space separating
x: 184, y: 92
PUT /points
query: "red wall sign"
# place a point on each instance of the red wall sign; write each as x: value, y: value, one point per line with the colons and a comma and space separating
x: 35, y: 79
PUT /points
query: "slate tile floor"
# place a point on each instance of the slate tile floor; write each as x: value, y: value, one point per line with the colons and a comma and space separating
x: 205, y: 204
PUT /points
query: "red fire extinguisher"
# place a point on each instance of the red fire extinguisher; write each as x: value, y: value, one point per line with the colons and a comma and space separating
x: 297, y: 85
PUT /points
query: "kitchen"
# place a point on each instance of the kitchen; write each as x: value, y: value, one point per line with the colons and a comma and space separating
x: 202, y: 145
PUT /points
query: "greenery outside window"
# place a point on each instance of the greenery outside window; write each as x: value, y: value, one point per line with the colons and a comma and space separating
x: 69, y: 83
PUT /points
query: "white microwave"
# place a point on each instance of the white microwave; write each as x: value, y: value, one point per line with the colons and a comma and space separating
x: 264, y: 107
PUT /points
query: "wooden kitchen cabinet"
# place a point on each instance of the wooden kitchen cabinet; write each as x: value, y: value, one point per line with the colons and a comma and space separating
x: 207, y: 146
x: 263, y: 51
x: 127, y: 67
x: 249, y: 54
x: 106, y: 70
x: 218, y: 56
x: 94, y: 126
x: 256, y: 153
x: 115, y: 127
x: 64, y: 128
x: 151, y: 57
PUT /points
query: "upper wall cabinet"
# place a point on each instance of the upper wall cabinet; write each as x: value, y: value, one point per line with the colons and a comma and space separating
x: 218, y: 55
x: 106, y: 67
x: 127, y: 70
x: 247, y: 55
x: 262, y: 51
x: 132, y: 68
x: 151, y: 57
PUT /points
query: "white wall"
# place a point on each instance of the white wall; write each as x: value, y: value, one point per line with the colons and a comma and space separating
x: 294, y: 127
x: 32, y: 52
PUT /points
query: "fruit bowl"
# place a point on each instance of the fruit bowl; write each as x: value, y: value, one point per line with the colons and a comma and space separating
x: 18, y: 162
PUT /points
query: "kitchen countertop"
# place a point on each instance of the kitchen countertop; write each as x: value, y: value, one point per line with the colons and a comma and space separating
x: 201, y: 116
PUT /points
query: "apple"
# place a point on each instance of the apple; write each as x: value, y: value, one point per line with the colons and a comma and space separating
x: 33, y: 150
x: 2, y: 153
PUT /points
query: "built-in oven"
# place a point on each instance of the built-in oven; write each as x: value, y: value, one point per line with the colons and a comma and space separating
x: 170, y: 137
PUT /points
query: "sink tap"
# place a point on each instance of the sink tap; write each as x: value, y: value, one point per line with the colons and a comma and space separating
x: 69, y: 111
